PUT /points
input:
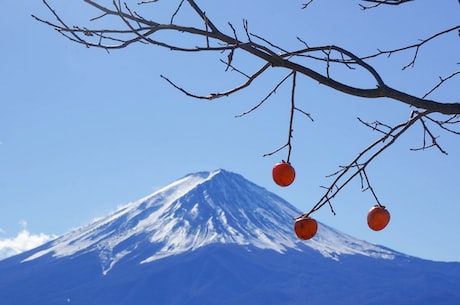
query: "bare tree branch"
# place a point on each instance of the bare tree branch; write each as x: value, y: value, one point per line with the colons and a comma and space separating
x: 381, y: 2
x: 441, y: 81
x: 265, y: 98
x: 359, y: 164
x: 135, y: 28
x: 149, y: 28
x: 415, y: 46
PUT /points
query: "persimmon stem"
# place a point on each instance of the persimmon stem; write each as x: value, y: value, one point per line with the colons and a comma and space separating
x: 369, y: 187
x: 291, y: 117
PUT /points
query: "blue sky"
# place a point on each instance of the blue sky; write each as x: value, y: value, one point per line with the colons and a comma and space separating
x: 83, y: 132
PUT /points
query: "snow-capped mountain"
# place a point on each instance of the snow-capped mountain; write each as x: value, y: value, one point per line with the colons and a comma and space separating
x: 216, y: 238
x: 198, y: 210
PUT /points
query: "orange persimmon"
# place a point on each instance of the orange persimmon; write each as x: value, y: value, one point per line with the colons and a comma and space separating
x: 305, y: 228
x: 283, y: 173
x: 378, y: 217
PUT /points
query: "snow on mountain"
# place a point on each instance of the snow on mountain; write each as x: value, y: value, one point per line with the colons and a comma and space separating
x: 216, y: 238
x: 198, y: 210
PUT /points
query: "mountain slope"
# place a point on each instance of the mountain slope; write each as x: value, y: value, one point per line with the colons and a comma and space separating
x: 216, y: 238
x: 201, y: 209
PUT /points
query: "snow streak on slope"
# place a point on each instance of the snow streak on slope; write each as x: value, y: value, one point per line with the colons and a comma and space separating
x: 197, y: 210
x: 104, y: 233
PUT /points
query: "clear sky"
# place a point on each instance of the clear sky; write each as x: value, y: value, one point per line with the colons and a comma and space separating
x: 83, y: 132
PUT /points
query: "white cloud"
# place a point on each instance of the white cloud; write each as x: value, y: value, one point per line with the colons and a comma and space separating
x: 22, y: 242
x: 23, y: 223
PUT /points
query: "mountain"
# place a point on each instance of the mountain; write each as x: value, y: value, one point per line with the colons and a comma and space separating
x: 216, y: 238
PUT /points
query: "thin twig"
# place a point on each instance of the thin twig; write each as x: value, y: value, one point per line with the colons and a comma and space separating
x: 369, y: 187
x: 441, y: 81
x: 266, y: 97
x: 221, y: 94
x: 291, y: 117
x: 336, y: 186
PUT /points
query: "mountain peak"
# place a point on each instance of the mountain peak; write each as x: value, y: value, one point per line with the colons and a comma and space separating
x: 197, y: 210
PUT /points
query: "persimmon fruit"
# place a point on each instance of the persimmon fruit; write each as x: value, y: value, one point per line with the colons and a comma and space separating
x: 378, y: 217
x: 283, y: 173
x: 305, y: 228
